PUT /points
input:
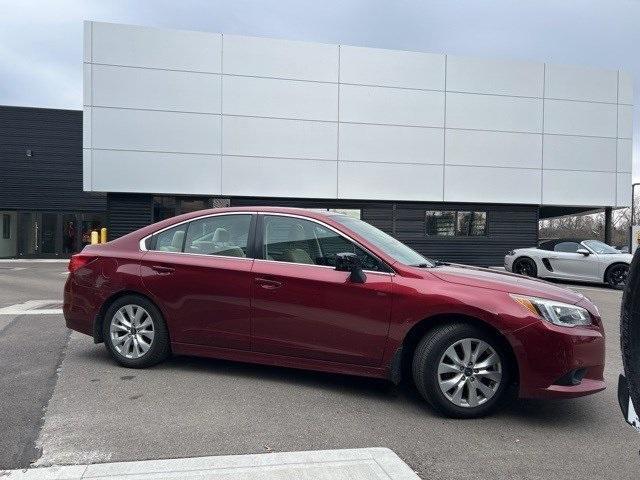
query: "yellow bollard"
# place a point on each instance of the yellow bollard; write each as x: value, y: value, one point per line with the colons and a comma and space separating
x: 103, y: 235
x: 94, y: 237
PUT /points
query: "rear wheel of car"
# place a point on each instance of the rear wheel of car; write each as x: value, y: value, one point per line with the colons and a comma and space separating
x: 135, y: 333
x: 616, y: 275
x: 525, y: 266
x: 461, y: 370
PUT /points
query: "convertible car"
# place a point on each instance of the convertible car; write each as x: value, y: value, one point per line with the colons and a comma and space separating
x: 571, y: 259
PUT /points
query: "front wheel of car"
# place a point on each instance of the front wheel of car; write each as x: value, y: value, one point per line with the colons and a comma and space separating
x: 616, y: 275
x: 135, y: 333
x: 525, y: 266
x: 461, y: 370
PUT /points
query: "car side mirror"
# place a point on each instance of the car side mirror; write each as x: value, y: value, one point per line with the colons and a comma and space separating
x: 583, y: 251
x: 349, y: 262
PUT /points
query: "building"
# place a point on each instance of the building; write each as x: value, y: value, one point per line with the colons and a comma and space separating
x: 458, y: 157
x: 43, y: 209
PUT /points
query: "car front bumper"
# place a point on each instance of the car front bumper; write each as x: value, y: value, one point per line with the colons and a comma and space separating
x: 508, y: 262
x: 559, y: 362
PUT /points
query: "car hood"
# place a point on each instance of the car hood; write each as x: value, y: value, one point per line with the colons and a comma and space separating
x: 504, y: 282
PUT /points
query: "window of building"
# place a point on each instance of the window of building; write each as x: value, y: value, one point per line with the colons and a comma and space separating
x: 449, y: 223
x: 295, y: 240
x: 6, y: 226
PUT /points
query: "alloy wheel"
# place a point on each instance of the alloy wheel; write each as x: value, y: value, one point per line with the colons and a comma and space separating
x: 132, y: 331
x: 618, y: 275
x: 469, y: 372
x: 524, y: 268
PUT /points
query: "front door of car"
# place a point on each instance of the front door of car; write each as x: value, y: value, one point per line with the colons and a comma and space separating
x: 200, y: 275
x: 303, y: 307
x: 566, y: 261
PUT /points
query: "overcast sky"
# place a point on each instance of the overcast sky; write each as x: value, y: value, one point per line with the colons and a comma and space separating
x: 41, y: 41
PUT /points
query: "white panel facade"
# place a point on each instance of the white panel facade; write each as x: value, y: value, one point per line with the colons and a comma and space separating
x: 267, y: 57
x: 134, y: 46
x: 123, y: 129
x: 579, y: 83
x: 625, y: 155
x: 580, y: 118
x: 268, y: 137
x: 267, y: 97
x: 156, y: 89
x: 625, y: 121
x: 564, y: 152
x: 499, y: 149
x: 391, y: 68
x: 391, y: 106
x: 625, y: 88
x: 496, y: 77
x: 387, y: 181
x: 211, y: 114
x: 492, y: 185
x: 246, y: 176
x: 386, y: 143
x: 623, y: 190
x: 152, y: 172
x: 492, y: 112
x: 578, y: 188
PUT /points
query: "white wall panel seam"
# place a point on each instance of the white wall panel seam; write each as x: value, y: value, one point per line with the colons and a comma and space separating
x: 544, y: 91
x: 221, y: 109
x: 617, y: 131
x: 444, y: 126
x: 338, y: 133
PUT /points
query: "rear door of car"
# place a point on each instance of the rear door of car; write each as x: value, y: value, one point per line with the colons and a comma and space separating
x: 199, y: 273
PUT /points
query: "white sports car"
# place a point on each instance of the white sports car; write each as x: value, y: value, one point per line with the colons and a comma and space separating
x: 580, y: 260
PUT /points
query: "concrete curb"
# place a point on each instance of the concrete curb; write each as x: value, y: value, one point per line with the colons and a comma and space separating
x: 354, y: 464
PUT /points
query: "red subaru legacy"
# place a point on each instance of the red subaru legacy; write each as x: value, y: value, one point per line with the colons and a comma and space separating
x: 325, y: 291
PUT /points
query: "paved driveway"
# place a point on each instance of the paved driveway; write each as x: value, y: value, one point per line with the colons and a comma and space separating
x: 191, y: 407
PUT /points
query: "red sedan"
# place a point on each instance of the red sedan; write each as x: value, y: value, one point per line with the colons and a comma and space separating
x: 325, y: 291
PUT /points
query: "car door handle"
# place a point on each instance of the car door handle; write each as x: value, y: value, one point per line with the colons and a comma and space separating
x: 162, y: 270
x: 268, y: 284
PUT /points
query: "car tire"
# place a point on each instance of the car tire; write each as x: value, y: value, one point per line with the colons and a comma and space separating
x: 525, y: 266
x: 433, y: 371
x: 616, y: 275
x: 149, y: 344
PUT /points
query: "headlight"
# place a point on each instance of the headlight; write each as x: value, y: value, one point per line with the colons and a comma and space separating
x: 558, y: 313
x: 510, y: 253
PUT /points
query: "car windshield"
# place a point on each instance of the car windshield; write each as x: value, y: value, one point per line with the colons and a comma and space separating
x: 600, y: 247
x: 389, y: 245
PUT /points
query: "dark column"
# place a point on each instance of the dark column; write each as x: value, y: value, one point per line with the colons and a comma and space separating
x: 127, y: 212
x: 607, y: 225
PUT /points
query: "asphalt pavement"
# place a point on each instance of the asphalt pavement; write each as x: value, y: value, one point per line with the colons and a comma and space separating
x: 186, y: 407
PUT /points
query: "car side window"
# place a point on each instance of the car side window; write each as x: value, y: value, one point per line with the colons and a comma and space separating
x: 170, y: 240
x: 567, y: 247
x: 295, y: 240
x: 225, y: 235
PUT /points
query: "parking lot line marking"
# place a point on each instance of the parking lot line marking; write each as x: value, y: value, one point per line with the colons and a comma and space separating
x: 33, y: 307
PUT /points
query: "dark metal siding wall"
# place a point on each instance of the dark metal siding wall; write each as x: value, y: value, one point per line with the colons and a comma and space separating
x: 508, y: 226
x: 128, y: 212
x: 51, y: 179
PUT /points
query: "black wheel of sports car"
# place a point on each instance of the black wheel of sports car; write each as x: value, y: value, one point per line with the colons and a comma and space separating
x: 525, y: 266
x: 616, y: 275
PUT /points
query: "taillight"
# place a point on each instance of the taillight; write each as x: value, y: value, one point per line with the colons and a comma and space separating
x: 79, y: 261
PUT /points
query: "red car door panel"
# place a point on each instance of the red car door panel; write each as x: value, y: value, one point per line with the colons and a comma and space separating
x: 206, y: 299
x: 317, y: 312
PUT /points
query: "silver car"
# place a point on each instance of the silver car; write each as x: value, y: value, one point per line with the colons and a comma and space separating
x: 570, y: 259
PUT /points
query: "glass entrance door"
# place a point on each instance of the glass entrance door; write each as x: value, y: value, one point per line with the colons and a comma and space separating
x: 28, y: 234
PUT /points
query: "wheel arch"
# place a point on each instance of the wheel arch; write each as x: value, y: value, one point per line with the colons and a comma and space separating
x: 401, y: 363
x: 99, y: 319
